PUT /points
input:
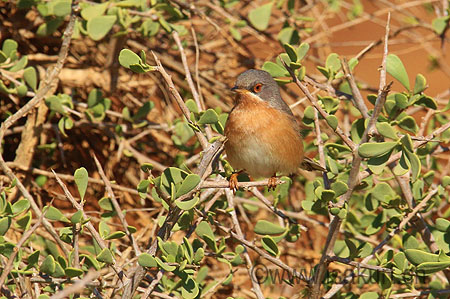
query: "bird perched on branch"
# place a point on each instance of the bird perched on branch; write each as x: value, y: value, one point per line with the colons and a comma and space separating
x: 263, y: 135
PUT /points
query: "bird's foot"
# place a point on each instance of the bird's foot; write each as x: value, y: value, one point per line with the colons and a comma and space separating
x: 272, y: 183
x: 234, y: 181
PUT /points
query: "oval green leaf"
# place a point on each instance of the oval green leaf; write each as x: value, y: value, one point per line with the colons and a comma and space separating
x: 98, y: 27
x: 395, y: 68
x: 369, y: 150
x: 188, y: 204
x: 81, y: 180
x: 147, y: 260
x: 270, y: 246
x: 264, y: 227
x: 73, y: 272
x: 105, y: 256
x: 259, y: 17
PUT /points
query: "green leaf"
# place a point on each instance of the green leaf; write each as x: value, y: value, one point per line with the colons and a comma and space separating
x: 259, y: 17
x: 383, y: 192
x: 164, y: 266
x: 401, y: 100
x: 81, y: 180
x: 54, y: 103
x: 415, y: 164
x: 18, y: 66
x: 417, y: 257
x: 208, y: 117
x: 93, y: 11
x: 442, y: 224
x: 103, y: 229
x: 147, y: 260
x: 339, y: 188
x: 290, y: 51
x: 431, y: 267
x: 77, y: 217
x: 333, y: 63
x: 105, y: 256
x: 302, y: 50
x: 73, y: 272
x: 146, y: 167
x: 408, y: 123
x: 235, y: 33
x: 98, y: 27
x: 53, y: 213
x: 446, y: 181
x: 144, y: 110
x: 203, y: 228
x: 189, y: 183
x: 48, y: 265
x: 288, y: 35
x: 20, y: 206
x: 332, y: 121
x: 426, y: 101
x: 9, y: 47
x: 420, y: 84
x: 33, y: 258
x: 106, y: 204
x: 386, y: 130
x: 439, y: 24
x: 324, y: 71
x: 5, y: 223
x: 60, y: 8
x: 369, y: 150
x: 24, y: 221
x: 402, y: 166
x: 199, y: 254
x: 30, y: 77
x: 274, y: 69
x: 49, y: 27
x: 189, y: 288
x: 187, y: 204
x: 115, y: 235
x: 395, y: 68
x: 264, y: 227
x: 270, y: 246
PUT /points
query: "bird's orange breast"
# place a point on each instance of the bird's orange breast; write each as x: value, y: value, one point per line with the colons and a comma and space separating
x: 261, y: 139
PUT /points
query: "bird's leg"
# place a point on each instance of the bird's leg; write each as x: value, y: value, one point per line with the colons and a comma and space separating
x: 234, y: 181
x: 272, y: 183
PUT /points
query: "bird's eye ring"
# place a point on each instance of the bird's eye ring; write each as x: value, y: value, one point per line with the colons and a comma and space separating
x: 257, y: 88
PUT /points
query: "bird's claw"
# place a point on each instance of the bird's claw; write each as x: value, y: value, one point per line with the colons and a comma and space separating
x: 272, y: 183
x: 233, y: 182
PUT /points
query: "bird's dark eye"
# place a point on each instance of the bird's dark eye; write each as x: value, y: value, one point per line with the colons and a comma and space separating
x: 257, y: 88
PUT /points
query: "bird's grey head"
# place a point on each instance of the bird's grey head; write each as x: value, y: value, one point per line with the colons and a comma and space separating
x: 261, y: 84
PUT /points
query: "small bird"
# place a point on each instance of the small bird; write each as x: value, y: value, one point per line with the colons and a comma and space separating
x: 263, y: 135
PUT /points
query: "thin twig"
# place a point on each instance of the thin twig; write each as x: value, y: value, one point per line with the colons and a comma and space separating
x: 237, y: 228
x: 8, y: 267
x: 77, y: 287
x: 316, y: 105
x: 357, y: 98
x: 52, y: 75
x: 336, y: 287
x: 116, y: 205
x: 176, y: 95
x: 70, y: 178
x: 189, y: 80
x: 353, y: 176
x: 224, y: 184
x: 204, y: 169
x: 88, y: 224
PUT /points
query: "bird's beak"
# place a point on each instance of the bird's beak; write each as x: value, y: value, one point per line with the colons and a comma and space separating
x: 238, y: 90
